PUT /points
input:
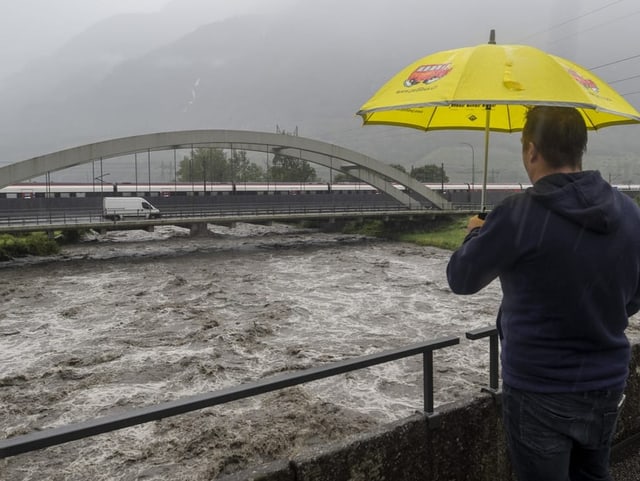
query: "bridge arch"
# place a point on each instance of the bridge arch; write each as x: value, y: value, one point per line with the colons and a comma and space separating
x: 365, y: 168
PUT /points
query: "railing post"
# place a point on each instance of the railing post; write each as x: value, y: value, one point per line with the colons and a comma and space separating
x: 427, y: 369
x: 493, y: 362
x: 492, y: 334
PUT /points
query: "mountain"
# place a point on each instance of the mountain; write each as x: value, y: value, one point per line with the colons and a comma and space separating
x: 308, y: 67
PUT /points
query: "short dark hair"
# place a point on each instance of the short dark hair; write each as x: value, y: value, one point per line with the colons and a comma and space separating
x: 559, y: 134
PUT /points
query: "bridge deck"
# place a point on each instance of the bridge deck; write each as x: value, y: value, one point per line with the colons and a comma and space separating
x: 45, y: 223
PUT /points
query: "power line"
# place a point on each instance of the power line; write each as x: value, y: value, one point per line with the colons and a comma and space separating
x: 624, y: 17
x: 591, y: 12
x: 623, y: 79
x: 615, y: 62
x: 574, y: 19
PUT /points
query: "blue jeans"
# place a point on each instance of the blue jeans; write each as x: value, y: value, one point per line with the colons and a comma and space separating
x: 560, y: 437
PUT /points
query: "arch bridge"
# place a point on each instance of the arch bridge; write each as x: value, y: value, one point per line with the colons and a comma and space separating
x: 367, y: 169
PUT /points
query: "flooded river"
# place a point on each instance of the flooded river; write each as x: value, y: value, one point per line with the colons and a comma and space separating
x: 135, y: 319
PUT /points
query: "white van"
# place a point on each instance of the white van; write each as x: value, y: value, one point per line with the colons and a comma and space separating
x: 117, y: 208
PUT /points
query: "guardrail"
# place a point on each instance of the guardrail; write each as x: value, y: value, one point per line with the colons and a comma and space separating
x: 55, y: 436
x: 61, y: 221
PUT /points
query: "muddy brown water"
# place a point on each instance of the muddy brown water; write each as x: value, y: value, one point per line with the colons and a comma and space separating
x: 133, y: 319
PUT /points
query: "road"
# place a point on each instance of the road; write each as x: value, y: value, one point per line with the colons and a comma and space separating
x: 87, y: 213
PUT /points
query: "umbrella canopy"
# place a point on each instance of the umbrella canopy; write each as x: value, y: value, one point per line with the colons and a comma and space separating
x: 490, y: 87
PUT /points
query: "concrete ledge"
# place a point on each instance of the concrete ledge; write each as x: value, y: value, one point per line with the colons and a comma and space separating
x: 376, y: 455
x: 276, y: 471
x: 465, y: 442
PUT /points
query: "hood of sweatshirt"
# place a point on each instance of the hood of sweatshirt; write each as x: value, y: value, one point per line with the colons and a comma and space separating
x: 584, y: 198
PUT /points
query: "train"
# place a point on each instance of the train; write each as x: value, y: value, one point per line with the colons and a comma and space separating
x: 454, y: 192
x: 35, y: 189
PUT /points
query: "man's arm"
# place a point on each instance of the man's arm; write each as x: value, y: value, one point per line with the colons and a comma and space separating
x: 487, y: 248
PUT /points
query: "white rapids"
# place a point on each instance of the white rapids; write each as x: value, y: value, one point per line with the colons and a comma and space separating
x: 135, y: 319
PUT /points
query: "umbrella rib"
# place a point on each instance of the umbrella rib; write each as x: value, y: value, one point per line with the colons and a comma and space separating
x: 591, y: 123
x: 433, y: 112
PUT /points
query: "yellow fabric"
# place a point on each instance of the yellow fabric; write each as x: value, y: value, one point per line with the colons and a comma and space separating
x: 453, y: 89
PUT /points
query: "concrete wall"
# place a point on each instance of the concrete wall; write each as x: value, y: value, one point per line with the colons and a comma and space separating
x: 463, y: 442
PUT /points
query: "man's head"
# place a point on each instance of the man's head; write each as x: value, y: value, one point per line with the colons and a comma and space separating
x: 558, y: 135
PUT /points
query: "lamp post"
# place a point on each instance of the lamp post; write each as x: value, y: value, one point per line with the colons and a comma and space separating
x: 102, y: 181
x: 473, y: 164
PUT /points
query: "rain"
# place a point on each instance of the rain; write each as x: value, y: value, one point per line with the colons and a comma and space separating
x: 304, y: 66
x: 131, y: 319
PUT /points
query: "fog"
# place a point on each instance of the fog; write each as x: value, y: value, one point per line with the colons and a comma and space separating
x: 87, y: 71
x: 27, y: 32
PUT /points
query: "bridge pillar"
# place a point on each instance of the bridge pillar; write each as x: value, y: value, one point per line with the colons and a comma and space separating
x: 198, y: 229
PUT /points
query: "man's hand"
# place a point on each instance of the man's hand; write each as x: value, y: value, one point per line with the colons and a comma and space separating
x: 475, y: 222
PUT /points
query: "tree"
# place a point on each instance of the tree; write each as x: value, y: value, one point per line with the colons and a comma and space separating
x: 253, y: 173
x: 241, y: 170
x: 429, y: 173
x: 342, y: 177
x: 204, y: 164
x: 399, y: 167
x: 285, y: 168
x: 212, y: 165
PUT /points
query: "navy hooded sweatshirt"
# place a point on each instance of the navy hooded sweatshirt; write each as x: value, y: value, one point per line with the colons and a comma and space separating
x: 567, y: 253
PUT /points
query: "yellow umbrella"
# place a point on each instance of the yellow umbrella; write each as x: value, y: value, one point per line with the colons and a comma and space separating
x: 490, y: 87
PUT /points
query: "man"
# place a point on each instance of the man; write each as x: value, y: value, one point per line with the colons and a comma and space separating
x: 567, y: 253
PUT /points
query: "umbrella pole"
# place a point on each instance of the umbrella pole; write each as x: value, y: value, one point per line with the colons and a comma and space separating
x: 483, y: 206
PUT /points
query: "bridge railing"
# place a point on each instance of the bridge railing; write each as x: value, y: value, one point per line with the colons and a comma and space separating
x: 66, y: 218
x: 53, y: 216
x: 55, y: 436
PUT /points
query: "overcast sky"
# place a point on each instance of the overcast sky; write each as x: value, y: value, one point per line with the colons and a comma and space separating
x: 34, y: 28
x: 589, y: 32
x: 598, y: 34
x: 29, y: 28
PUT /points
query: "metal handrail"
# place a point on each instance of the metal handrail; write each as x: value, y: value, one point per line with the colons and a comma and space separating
x: 492, y: 334
x: 71, y: 432
x: 66, y: 216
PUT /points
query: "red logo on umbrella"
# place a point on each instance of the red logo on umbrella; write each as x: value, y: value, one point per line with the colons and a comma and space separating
x: 427, y: 74
x: 585, y: 82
